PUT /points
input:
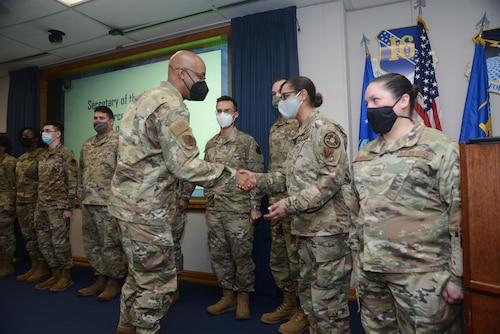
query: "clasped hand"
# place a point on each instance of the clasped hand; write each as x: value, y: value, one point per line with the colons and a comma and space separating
x: 246, y: 180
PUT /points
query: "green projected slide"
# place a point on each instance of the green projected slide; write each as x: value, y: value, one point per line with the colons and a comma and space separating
x: 116, y: 89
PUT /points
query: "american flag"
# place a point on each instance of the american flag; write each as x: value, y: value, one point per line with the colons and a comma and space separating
x: 426, y: 105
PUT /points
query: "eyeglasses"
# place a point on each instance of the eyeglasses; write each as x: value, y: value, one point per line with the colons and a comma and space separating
x: 200, y: 76
x: 225, y: 111
x: 285, y: 95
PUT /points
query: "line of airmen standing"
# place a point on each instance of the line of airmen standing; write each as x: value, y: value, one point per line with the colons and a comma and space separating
x: 44, y: 185
x: 396, y: 222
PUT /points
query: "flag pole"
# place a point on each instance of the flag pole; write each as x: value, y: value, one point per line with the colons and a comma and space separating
x: 419, y: 4
x: 364, y: 42
x: 483, y: 23
x: 366, y: 133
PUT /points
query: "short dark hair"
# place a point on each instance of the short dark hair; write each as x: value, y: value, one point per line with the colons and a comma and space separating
x: 57, y: 125
x: 228, y: 98
x: 5, y: 142
x: 35, y: 132
x: 105, y: 110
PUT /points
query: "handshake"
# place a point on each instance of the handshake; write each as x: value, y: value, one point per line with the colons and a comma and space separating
x: 246, y: 180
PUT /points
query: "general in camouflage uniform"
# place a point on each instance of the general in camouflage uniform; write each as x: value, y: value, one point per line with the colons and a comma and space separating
x: 409, y: 264
x: 156, y: 150
x: 57, y: 182
x: 317, y: 179
x: 229, y: 213
x: 26, y: 198
x: 7, y: 207
x: 284, y: 259
x: 101, y: 235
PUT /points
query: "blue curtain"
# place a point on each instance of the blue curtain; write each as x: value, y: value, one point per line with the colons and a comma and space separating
x: 263, y: 48
x: 23, y: 106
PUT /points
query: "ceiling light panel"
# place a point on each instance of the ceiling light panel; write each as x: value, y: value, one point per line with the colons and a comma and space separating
x: 71, y: 3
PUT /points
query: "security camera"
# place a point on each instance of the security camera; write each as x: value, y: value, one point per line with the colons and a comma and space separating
x: 55, y: 36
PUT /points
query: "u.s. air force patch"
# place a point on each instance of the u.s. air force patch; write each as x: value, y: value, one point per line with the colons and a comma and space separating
x: 188, y: 141
x: 331, y: 140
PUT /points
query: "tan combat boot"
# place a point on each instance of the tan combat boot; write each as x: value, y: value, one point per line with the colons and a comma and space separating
x: 225, y: 304
x: 111, y: 290
x: 285, y: 311
x: 6, y: 268
x: 125, y: 328
x: 31, y: 271
x: 64, y: 281
x: 242, y: 306
x: 97, y: 287
x: 297, y: 324
x: 56, y: 274
x: 41, y: 272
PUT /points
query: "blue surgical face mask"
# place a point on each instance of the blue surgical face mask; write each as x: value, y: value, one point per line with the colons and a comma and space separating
x: 47, y: 138
x: 289, y: 108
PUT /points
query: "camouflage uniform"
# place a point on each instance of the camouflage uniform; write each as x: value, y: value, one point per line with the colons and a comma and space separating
x: 26, y: 197
x: 156, y: 149
x: 101, y: 236
x: 184, y: 191
x: 57, y: 182
x: 7, y: 203
x: 284, y: 259
x: 318, y: 183
x: 408, y: 232
x: 230, y: 234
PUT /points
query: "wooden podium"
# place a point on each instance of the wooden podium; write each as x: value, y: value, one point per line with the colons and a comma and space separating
x: 480, y: 186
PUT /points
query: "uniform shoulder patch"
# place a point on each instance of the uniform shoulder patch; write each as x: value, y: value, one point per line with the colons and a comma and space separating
x: 331, y: 139
x: 188, y: 141
x: 179, y: 127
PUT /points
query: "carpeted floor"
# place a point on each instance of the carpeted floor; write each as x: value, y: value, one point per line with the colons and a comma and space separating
x: 24, y: 310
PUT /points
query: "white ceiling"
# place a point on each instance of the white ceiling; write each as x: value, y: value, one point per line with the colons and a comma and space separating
x: 24, y: 24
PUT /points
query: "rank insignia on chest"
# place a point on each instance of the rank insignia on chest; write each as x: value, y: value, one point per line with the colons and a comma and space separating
x: 331, y: 140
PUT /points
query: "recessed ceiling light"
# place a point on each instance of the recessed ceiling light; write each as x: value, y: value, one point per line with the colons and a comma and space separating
x: 70, y: 3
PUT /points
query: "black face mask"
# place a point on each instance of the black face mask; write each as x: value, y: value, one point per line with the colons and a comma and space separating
x: 198, y: 91
x: 26, y: 142
x: 382, y: 119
